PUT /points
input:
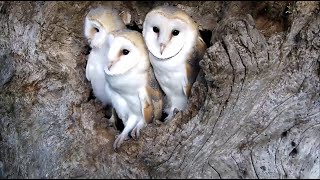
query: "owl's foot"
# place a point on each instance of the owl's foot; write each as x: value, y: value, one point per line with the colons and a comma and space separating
x: 135, y: 133
x: 171, y: 115
x: 168, y: 118
x: 119, y: 140
x: 175, y: 111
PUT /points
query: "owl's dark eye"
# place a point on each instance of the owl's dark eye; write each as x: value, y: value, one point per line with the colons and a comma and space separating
x: 175, y: 32
x: 125, y: 52
x: 96, y: 29
x: 155, y: 29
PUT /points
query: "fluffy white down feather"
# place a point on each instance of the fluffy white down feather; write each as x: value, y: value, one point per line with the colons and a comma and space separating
x: 95, y: 73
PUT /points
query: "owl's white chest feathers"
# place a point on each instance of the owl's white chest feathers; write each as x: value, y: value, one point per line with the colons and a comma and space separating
x: 171, y: 73
x: 95, y: 74
x: 125, y: 90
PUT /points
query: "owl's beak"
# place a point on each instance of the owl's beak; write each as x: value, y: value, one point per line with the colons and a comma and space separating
x: 111, y: 63
x: 162, y: 47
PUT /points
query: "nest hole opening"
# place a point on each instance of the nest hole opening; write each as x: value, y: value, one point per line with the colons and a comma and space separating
x: 86, y: 49
x: 163, y: 116
x: 91, y: 96
x: 206, y: 35
x: 119, y: 125
x: 134, y: 27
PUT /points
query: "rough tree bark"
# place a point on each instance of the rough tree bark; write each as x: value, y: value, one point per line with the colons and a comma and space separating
x: 254, y: 110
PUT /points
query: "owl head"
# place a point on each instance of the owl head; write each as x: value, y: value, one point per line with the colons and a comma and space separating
x: 167, y: 30
x: 127, y: 50
x: 99, y: 22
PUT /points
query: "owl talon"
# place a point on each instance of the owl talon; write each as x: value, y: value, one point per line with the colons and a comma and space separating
x: 119, y: 140
x: 175, y: 111
x: 169, y: 117
x: 135, y: 133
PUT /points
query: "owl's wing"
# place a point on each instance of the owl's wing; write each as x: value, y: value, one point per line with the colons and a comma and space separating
x: 147, y: 108
x: 155, y: 94
x: 192, y: 64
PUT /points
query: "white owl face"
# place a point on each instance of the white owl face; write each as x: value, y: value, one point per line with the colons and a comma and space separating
x: 95, y: 33
x: 123, y: 55
x: 166, y: 37
x: 99, y: 22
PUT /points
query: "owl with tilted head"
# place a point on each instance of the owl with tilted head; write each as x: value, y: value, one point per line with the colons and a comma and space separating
x: 99, y: 22
x: 135, y: 93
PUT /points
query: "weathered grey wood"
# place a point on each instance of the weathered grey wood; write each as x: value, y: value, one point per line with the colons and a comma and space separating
x: 254, y: 111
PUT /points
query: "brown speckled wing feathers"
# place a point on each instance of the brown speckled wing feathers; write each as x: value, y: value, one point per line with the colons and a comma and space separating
x: 192, y: 64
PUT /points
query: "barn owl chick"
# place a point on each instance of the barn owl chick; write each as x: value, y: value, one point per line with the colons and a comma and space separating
x: 175, y: 48
x: 99, y: 22
x: 135, y: 92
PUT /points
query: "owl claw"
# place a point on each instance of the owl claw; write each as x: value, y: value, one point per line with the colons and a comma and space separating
x: 135, y: 133
x: 119, y: 140
x: 171, y: 115
x: 175, y: 111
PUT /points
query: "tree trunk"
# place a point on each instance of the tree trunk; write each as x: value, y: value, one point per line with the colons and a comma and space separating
x: 254, y: 111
